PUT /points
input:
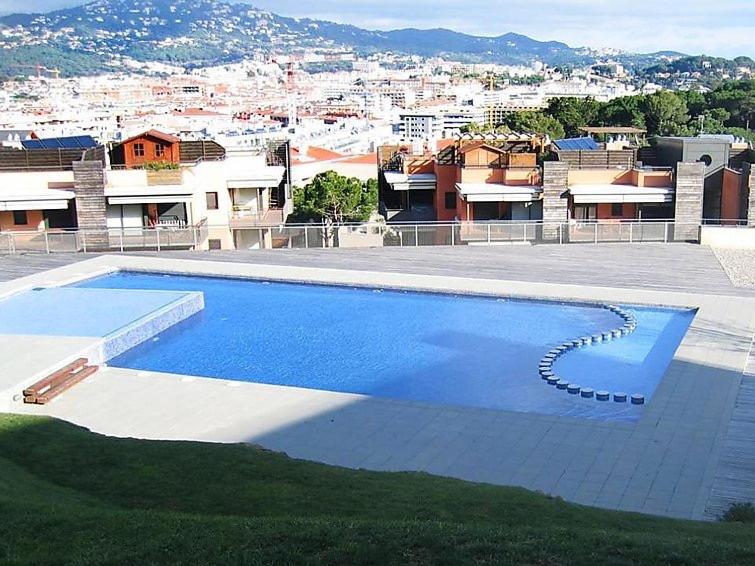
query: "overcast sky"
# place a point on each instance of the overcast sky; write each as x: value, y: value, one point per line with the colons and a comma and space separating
x: 722, y: 27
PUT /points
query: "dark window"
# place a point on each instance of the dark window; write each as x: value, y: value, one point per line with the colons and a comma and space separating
x: 707, y: 159
x: 159, y: 150
x: 617, y: 209
x: 138, y: 150
x: 212, y: 201
x: 214, y: 244
x: 20, y: 218
x: 450, y: 200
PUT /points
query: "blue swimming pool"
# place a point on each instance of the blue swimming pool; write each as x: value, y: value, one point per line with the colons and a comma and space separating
x: 453, y: 350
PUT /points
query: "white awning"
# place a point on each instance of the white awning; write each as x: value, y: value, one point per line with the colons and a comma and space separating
x: 149, y: 199
x: 148, y: 194
x: 494, y: 192
x: 594, y: 194
x: 412, y: 182
x: 259, y: 178
x: 35, y: 199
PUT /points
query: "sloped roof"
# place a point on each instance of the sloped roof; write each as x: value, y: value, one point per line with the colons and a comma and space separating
x: 314, y: 153
x: 368, y: 159
x: 154, y: 134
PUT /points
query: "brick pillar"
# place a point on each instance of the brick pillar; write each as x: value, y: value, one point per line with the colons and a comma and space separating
x: 91, y: 207
x: 748, y: 192
x: 688, y: 211
x: 555, y: 199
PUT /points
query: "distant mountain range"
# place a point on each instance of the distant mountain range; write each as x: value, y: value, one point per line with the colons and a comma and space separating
x: 196, y: 33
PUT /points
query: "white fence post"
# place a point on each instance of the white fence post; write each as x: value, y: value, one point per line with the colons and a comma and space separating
x: 416, y: 234
x: 84, y: 240
x: 453, y: 234
x: 524, y: 233
x: 488, y: 234
x: 665, y: 232
x: 596, y: 232
x: 47, y: 242
x: 631, y: 225
x: 306, y: 238
x: 157, y: 234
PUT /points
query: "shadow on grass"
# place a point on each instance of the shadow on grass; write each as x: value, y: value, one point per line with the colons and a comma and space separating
x: 70, y: 496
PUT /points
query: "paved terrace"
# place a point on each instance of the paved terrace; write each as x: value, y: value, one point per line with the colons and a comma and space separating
x: 684, y: 267
x: 690, y: 455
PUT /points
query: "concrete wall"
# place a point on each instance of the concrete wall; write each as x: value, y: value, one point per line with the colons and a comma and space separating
x: 728, y: 237
x: 688, y: 213
x: 555, y: 201
x: 748, y: 191
x: 731, y: 198
x: 447, y: 177
x: 35, y: 221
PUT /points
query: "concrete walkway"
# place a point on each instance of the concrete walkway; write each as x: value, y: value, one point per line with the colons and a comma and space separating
x: 669, y: 462
x: 686, y: 267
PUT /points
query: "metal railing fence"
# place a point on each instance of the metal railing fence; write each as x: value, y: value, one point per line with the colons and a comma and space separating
x: 304, y: 236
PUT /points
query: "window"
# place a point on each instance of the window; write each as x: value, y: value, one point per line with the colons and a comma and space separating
x: 706, y: 159
x: 20, y: 218
x: 138, y: 150
x: 212, y: 201
x: 450, y: 198
x: 214, y: 244
x: 617, y: 209
x: 159, y: 150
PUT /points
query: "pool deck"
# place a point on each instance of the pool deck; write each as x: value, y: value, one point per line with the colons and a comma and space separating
x: 690, y: 454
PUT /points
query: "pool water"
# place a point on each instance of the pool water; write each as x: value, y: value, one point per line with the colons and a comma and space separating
x: 435, y: 348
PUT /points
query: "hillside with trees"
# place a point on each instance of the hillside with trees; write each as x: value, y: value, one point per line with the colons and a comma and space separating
x: 727, y: 109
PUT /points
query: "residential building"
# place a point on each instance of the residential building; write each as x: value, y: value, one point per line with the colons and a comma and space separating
x: 493, y: 177
x: 200, y: 195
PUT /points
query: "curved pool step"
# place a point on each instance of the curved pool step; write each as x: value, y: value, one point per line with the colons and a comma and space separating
x: 545, y: 367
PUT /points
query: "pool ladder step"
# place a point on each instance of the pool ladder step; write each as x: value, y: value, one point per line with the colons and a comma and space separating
x: 56, y: 383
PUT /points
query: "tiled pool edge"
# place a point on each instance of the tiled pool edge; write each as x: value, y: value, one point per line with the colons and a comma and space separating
x: 146, y: 327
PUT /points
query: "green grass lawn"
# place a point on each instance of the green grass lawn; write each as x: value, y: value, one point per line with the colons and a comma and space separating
x: 68, y: 496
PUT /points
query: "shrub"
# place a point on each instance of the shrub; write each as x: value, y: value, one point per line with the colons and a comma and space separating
x: 160, y: 165
x: 740, y: 513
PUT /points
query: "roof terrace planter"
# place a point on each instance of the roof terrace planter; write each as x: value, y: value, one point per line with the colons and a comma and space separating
x: 164, y: 177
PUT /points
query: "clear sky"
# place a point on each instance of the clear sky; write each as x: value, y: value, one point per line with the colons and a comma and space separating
x: 721, y: 27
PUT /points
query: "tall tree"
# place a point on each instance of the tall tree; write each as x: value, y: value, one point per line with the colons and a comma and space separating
x: 331, y: 199
x: 535, y: 122
x: 573, y: 113
x: 665, y: 114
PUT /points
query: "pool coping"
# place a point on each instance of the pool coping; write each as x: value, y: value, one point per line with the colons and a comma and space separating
x: 710, y: 362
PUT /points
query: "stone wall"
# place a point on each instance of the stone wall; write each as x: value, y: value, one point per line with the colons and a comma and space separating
x: 748, y: 191
x: 91, y: 206
x: 555, y: 199
x: 688, y: 213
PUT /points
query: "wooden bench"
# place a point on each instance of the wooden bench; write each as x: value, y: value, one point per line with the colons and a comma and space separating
x: 56, y: 383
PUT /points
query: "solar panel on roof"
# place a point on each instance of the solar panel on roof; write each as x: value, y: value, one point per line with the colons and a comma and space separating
x: 571, y: 144
x: 31, y: 144
x: 70, y: 142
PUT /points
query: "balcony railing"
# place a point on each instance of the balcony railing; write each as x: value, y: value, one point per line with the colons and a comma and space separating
x: 247, y: 218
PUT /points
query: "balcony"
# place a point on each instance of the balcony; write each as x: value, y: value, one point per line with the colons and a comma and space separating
x: 246, y: 218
